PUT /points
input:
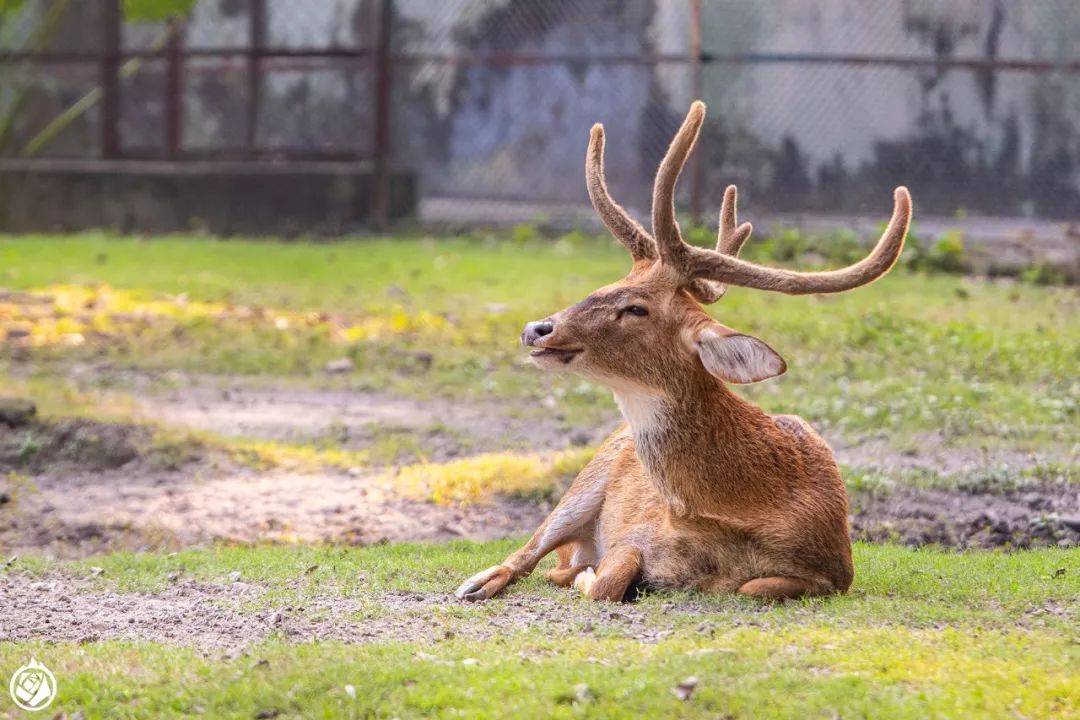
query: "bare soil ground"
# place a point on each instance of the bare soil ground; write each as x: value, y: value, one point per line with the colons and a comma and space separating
x: 355, y: 419
x: 1038, y: 515
x: 214, y: 616
x: 232, y: 616
x: 79, y: 515
x: 72, y: 512
x: 78, y: 487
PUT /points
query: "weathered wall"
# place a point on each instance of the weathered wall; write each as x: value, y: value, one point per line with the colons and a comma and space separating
x: 220, y: 198
x: 996, y: 141
x: 795, y: 136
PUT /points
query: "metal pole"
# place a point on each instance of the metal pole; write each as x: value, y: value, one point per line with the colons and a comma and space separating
x: 257, y: 44
x: 112, y: 19
x: 380, y: 197
x: 174, y: 90
x: 697, y: 179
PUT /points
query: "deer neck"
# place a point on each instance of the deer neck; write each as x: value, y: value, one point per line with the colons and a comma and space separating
x: 699, y: 444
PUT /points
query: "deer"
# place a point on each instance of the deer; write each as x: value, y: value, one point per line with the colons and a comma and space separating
x: 698, y: 488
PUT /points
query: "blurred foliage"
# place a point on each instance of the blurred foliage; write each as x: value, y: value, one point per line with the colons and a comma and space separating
x: 155, y: 10
x: 1044, y: 274
x: 947, y: 254
x: 134, y: 10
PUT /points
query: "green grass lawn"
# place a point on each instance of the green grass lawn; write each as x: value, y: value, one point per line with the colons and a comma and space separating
x: 921, y: 634
x: 973, y: 361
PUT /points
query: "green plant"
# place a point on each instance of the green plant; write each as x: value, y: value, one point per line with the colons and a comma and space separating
x: 31, y: 445
x: 1044, y: 273
x: 948, y: 254
x: 700, y: 235
x: 524, y: 233
x: 783, y: 245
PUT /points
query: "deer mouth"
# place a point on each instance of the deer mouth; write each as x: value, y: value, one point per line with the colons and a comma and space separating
x: 563, y: 355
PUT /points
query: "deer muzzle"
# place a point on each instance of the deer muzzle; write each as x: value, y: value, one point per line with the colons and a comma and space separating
x: 536, y: 336
x: 536, y: 330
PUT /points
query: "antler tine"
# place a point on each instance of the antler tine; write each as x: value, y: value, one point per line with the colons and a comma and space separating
x: 729, y: 241
x: 718, y: 267
x: 665, y: 227
x: 730, y: 238
x: 614, y: 216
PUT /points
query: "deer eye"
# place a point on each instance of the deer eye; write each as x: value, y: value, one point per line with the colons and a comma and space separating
x: 634, y: 310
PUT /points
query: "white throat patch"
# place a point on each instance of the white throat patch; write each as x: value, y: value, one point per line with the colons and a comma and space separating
x: 642, y: 410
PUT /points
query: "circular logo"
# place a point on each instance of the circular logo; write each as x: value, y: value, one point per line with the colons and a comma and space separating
x: 32, y: 686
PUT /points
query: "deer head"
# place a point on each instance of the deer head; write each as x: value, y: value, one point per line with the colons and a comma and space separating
x: 648, y: 332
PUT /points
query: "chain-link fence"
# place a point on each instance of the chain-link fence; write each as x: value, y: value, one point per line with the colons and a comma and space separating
x: 812, y: 106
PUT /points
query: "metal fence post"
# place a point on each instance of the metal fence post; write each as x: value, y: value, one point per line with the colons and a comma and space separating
x: 697, y: 167
x: 174, y: 79
x: 380, y: 196
x: 112, y: 19
x: 256, y: 46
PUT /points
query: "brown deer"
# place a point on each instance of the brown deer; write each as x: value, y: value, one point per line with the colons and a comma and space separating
x: 699, y: 488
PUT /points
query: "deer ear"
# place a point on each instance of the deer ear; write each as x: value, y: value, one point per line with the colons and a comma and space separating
x: 737, y: 358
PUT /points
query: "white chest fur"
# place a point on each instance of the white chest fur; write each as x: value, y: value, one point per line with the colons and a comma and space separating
x: 644, y: 411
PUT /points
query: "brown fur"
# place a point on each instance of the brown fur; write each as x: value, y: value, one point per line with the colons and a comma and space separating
x: 700, y: 488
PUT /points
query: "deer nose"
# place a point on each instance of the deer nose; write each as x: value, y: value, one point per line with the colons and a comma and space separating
x: 536, y: 330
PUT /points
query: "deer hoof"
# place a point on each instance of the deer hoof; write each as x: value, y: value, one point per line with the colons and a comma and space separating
x: 584, y: 581
x: 485, y: 584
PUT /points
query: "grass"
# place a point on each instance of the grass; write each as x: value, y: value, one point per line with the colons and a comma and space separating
x: 921, y: 634
x: 916, y: 358
x: 792, y: 673
x: 971, y: 361
x: 919, y: 587
x: 478, y: 477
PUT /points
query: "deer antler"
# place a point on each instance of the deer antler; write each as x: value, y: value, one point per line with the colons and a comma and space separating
x: 665, y: 227
x: 729, y: 241
x: 732, y: 236
x: 615, y: 218
x: 715, y: 266
x: 705, y: 272
x: 697, y: 264
x: 634, y: 237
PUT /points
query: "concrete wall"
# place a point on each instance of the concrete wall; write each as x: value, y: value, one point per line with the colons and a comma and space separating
x: 795, y: 136
x: 220, y: 198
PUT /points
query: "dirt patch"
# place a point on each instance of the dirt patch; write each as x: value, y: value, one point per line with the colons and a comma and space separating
x: 1038, y: 515
x: 76, y: 487
x: 220, y: 617
x: 209, y: 616
x: 79, y: 487
x: 76, y: 443
x: 77, y: 515
x: 355, y: 419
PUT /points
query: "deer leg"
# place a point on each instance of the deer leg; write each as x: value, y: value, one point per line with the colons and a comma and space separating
x: 570, y: 519
x: 776, y: 588
x: 572, y: 560
x: 617, y: 571
x: 564, y: 576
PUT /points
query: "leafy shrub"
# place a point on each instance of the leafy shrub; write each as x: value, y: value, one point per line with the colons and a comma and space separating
x: 1043, y: 273
x: 785, y: 245
x: 946, y: 255
x: 700, y: 235
x: 524, y: 233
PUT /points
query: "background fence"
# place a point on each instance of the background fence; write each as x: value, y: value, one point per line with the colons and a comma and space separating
x: 813, y: 106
